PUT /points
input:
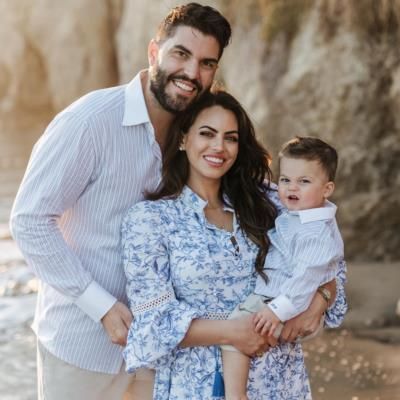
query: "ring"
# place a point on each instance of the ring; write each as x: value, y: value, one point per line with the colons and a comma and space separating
x: 259, y: 354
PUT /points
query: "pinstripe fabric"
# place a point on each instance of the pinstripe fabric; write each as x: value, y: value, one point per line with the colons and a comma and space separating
x: 94, y: 161
x: 306, y: 247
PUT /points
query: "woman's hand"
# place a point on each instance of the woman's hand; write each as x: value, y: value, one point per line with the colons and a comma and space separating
x: 308, y: 321
x: 243, y: 336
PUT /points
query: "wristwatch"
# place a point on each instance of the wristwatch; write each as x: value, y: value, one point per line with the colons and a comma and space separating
x: 325, y: 293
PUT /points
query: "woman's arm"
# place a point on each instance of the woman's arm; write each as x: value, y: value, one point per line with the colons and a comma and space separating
x: 308, y: 321
x: 239, y: 333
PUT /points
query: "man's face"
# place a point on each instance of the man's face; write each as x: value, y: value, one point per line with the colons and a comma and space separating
x: 182, y: 67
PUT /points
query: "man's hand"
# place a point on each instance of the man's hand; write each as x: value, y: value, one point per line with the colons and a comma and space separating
x: 246, y: 339
x: 116, y: 322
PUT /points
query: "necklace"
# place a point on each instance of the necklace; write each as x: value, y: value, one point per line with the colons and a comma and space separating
x: 222, y: 219
x: 219, y: 207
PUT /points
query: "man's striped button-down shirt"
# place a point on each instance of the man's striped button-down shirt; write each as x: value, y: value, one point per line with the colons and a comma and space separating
x: 95, y: 160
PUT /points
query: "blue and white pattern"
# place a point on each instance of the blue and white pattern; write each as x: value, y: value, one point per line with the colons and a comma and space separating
x: 180, y: 267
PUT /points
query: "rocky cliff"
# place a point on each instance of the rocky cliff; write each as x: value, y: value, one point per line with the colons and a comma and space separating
x: 329, y: 68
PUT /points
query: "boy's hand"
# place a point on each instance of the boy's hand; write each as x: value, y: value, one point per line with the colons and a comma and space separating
x: 243, y: 336
x: 266, y: 322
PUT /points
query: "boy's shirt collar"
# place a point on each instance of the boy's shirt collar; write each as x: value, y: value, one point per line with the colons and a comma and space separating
x: 328, y: 211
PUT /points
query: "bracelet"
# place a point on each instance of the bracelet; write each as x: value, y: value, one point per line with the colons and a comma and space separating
x: 325, y: 293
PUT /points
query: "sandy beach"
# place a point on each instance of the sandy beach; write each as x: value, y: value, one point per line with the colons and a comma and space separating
x: 341, y: 365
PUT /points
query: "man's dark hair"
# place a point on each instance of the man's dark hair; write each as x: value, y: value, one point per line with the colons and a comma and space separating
x: 312, y: 148
x: 203, y: 18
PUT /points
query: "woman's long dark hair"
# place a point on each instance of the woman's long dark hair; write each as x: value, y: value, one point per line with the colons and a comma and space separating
x: 244, y: 183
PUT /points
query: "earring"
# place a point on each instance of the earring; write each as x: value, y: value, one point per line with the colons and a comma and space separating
x: 181, y: 148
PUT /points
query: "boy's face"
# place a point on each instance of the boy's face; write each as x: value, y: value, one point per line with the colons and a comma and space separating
x: 303, y: 184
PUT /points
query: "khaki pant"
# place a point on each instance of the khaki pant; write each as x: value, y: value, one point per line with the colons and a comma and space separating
x: 58, y: 380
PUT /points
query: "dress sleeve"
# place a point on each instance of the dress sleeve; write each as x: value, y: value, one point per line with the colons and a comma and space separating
x: 160, y: 319
x: 335, y: 314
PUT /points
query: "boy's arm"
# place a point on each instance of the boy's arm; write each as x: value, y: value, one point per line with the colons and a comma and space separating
x: 308, y: 321
x: 303, y: 324
x: 314, y: 254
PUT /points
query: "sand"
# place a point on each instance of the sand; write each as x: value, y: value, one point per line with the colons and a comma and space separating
x: 341, y: 365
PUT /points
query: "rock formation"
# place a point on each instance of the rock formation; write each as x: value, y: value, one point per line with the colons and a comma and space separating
x: 329, y: 68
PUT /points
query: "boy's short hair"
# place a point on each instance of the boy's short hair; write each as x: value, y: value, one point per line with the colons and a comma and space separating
x: 312, y: 148
x: 206, y: 19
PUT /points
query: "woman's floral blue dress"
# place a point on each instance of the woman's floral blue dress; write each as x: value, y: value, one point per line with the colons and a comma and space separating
x: 180, y: 267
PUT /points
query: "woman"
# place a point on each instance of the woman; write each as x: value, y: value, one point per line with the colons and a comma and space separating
x: 192, y: 253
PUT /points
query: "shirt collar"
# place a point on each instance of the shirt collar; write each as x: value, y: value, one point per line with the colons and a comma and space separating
x: 135, y: 111
x: 328, y: 211
x: 194, y: 201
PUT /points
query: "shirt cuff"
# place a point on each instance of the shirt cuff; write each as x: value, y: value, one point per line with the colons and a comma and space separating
x: 282, y: 308
x: 95, y: 301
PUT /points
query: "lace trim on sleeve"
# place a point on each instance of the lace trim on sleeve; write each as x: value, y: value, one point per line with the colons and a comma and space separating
x: 153, y: 303
x: 216, y: 315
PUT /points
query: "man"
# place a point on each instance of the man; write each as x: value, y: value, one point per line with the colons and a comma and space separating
x: 95, y: 160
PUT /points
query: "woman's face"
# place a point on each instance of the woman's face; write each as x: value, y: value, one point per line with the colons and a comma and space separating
x: 211, y: 145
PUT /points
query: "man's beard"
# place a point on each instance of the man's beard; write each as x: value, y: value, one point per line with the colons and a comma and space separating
x: 158, y: 82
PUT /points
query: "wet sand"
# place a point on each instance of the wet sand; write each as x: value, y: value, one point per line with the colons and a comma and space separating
x: 341, y: 367
x: 344, y: 367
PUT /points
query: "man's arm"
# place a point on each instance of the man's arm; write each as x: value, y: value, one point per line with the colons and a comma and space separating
x: 61, y: 166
